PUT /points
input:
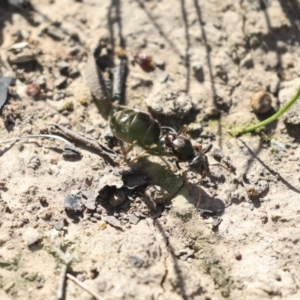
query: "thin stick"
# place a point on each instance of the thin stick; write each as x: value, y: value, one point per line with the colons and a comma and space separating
x: 61, y: 284
x: 86, y: 141
x: 50, y: 136
x: 83, y: 286
x: 286, y: 107
x: 119, y: 75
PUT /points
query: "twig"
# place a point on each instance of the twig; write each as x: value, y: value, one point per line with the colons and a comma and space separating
x: 119, y: 74
x: 93, y: 144
x: 285, y: 108
x: 62, y: 280
x: 50, y: 136
x: 70, y: 151
x: 83, y: 286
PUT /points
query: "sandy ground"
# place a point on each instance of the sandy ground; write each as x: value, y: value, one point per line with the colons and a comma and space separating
x: 211, y: 57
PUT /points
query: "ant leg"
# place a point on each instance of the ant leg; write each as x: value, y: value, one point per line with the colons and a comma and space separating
x: 128, y: 149
x: 219, y: 165
x: 186, y: 182
x: 182, y: 130
x: 199, y: 195
x: 177, y: 165
x: 198, y: 148
x: 138, y: 157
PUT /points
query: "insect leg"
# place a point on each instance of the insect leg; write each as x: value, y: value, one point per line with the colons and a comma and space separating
x: 126, y: 150
x: 186, y: 181
x: 198, y: 148
x: 138, y: 156
x: 220, y: 165
x: 182, y: 130
x: 199, y: 195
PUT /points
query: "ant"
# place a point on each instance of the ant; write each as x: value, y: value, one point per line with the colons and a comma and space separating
x: 137, y: 127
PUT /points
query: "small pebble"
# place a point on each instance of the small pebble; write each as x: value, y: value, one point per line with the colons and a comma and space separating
x: 156, y: 193
x: 31, y: 236
x: 212, y: 112
x: 73, y: 203
x: 235, y: 195
x: 63, y: 65
x: 59, y: 225
x: 111, y: 220
x: 159, y: 62
x: 90, y: 196
x: 8, y: 286
x: 97, y: 216
x: 133, y: 219
x: 238, y: 256
x: 60, y: 81
x: 33, y: 90
x: 261, y: 102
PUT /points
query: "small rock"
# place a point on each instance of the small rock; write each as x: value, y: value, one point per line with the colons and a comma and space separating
x: 113, y: 221
x: 133, y: 219
x: 90, y: 202
x: 33, y: 90
x: 264, y: 218
x: 277, y: 145
x: 97, y: 216
x: 41, y: 81
x: 34, y: 163
x: 238, y: 256
x: 39, y: 281
x: 217, y: 154
x: 24, y: 56
x: 222, y: 103
x: 184, y: 254
x: 73, y: 203
x: 198, y: 70
x: 235, y: 196
x: 212, y: 112
x: 156, y: 193
x: 31, y: 236
x: 170, y: 103
x: 73, y: 71
x: 162, y: 76
x: 4, y: 237
x: 59, y: 225
x: 55, y: 33
x: 194, y: 128
x: 262, y: 186
x: 292, y: 118
x: 159, y: 62
x: 60, y: 81
x: 261, y: 102
x: 19, y: 46
x: 93, y: 272
x: 196, y: 66
x: 247, y: 62
x: 8, y: 286
x: 274, y: 86
x: 63, y: 65
x: 110, y: 180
